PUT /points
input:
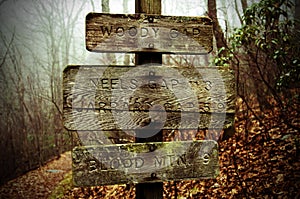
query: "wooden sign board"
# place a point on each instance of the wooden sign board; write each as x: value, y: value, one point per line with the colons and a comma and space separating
x: 144, y: 162
x: 92, y: 93
x: 148, y: 33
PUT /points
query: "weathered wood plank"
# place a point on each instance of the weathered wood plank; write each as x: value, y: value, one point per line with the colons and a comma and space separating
x: 93, y: 95
x: 105, y: 121
x: 150, y: 33
x: 144, y: 162
x: 104, y: 88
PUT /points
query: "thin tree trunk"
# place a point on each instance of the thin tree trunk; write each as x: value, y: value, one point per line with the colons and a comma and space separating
x: 111, y: 58
x: 125, y: 6
x: 237, y: 11
x: 218, y: 32
x: 244, y: 5
x: 105, y: 6
x: 297, y: 17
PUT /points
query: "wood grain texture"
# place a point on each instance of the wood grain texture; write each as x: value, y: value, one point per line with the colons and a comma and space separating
x: 143, y: 6
x: 144, y: 162
x: 105, y: 121
x: 148, y: 190
x: 93, y: 95
x: 148, y: 33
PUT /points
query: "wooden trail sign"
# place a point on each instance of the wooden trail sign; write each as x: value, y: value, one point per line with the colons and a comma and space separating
x: 106, y: 103
x: 144, y: 162
x: 148, y: 33
x: 93, y: 93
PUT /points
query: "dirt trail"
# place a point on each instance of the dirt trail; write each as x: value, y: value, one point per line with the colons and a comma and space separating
x: 38, y: 183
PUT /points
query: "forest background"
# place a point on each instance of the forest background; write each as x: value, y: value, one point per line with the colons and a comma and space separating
x: 258, y: 39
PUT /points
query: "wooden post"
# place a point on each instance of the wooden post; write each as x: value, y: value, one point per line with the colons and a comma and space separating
x: 92, y: 93
x: 149, y: 190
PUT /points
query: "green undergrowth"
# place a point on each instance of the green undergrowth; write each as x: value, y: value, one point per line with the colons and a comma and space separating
x: 62, y: 187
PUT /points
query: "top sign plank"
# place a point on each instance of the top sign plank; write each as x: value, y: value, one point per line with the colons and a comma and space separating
x: 148, y: 33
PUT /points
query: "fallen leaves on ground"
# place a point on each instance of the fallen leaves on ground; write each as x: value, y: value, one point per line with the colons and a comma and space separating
x: 260, y: 161
x: 38, y: 183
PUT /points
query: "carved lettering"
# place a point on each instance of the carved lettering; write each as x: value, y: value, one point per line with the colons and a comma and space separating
x: 174, y: 33
x: 150, y: 45
x: 113, y: 104
x: 120, y: 31
x: 185, y: 32
x: 125, y: 33
x: 94, y: 82
x: 170, y: 160
x: 206, y: 159
x: 93, y: 165
x: 119, y: 163
x: 132, y: 31
x: 196, y: 31
x: 105, y: 83
x: 139, y: 162
x: 105, y: 30
x: 114, y: 163
x: 158, y: 161
x: 143, y: 32
x: 174, y: 82
x: 152, y: 84
x: 114, y: 83
x: 140, y: 104
x: 102, y: 106
x: 132, y: 84
x: 144, y: 104
x: 127, y: 163
x: 155, y: 31
x: 91, y: 105
x: 164, y: 160
x: 182, y: 160
x: 151, y: 73
x: 208, y: 85
x: 204, y: 106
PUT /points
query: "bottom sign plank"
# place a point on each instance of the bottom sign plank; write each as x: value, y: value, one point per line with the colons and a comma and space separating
x: 144, y: 162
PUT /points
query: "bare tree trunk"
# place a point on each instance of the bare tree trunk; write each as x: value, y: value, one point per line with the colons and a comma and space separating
x: 111, y: 58
x: 244, y: 5
x: 236, y: 7
x: 125, y: 6
x: 30, y: 106
x: 93, y: 5
x: 297, y: 17
x: 218, y: 32
x: 105, y: 6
